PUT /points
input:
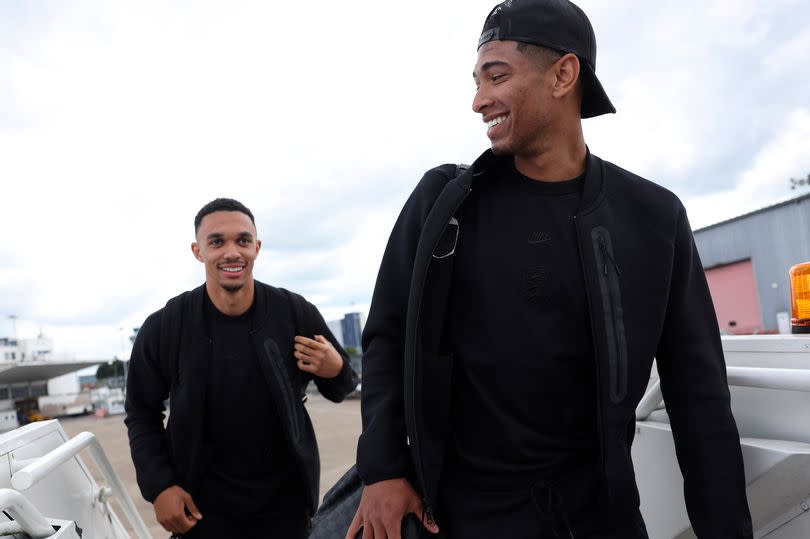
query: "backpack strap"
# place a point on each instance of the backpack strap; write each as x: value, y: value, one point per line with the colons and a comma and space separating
x: 447, y: 247
x: 170, y: 338
x: 304, y: 325
x: 301, y: 315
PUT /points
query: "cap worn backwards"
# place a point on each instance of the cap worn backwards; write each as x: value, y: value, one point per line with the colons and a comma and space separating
x: 555, y: 24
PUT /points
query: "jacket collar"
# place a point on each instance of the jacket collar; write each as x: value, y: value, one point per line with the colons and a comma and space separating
x: 592, y: 193
x: 196, y: 307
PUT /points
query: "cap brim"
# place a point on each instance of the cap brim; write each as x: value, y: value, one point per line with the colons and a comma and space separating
x: 595, y: 101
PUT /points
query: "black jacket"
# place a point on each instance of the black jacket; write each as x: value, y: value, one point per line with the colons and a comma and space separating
x: 170, y: 358
x: 648, y: 298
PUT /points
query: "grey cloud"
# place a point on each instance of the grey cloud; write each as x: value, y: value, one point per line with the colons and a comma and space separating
x: 113, y: 311
x: 734, y: 104
x: 334, y: 155
x: 327, y: 222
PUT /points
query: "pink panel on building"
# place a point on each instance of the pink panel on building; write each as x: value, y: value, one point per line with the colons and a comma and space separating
x: 734, y: 293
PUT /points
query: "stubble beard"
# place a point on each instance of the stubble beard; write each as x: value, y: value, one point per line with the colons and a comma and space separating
x: 497, y: 148
x: 232, y: 287
x: 502, y: 148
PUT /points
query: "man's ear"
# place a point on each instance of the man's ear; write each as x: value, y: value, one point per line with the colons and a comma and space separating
x: 195, y: 248
x: 566, y: 71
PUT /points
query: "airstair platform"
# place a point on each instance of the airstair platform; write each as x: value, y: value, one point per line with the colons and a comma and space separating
x: 769, y: 381
x: 46, y: 490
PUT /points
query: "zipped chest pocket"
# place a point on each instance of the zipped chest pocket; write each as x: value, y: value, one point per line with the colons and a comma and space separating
x: 610, y: 292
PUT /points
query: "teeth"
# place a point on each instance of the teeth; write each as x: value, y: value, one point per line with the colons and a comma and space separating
x: 495, y: 121
x: 233, y: 270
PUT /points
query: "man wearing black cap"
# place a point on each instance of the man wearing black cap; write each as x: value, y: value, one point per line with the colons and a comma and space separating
x: 517, y: 312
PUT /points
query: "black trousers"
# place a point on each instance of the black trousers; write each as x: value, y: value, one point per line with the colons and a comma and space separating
x: 217, y: 526
x: 531, y: 512
x: 230, y: 513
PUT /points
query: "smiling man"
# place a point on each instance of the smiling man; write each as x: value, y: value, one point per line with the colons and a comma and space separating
x: 238, y: 457
x: 516, y: 315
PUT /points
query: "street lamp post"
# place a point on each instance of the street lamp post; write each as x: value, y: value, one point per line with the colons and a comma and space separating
x: 13, y: 318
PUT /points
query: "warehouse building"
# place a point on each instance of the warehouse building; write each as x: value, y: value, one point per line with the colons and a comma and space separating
x: 747, y: 259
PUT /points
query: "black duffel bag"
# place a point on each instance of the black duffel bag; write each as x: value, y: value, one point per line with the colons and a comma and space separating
x: 340, y: 504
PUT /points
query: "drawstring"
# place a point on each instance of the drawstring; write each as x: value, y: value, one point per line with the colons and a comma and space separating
x: 548, y: 502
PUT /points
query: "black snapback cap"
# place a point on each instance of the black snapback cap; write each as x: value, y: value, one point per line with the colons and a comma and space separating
x: 555, y: 24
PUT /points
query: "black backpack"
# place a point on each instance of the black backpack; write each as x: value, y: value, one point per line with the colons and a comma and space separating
x: 340, y: 503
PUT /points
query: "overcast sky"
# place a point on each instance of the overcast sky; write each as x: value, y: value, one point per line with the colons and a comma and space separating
x: 118, y: 121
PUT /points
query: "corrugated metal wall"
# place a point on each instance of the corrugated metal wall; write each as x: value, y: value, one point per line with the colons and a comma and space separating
x: 774, y: 239
x: 735, y: 297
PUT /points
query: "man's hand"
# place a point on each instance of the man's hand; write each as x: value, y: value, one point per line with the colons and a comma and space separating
x: 170, y: 510
x: 317, y: 356
x: 382, y: 508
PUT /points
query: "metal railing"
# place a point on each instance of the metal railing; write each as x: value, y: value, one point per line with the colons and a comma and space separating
x: 25, y: 514
x: 34, y: 470
x: 763, y: 378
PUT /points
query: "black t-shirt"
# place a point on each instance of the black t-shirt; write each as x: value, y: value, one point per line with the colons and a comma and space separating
x: 524, y: 387
x: 249, y: 462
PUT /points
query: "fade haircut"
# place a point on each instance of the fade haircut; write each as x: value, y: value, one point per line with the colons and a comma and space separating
x: 543, y: 57
x: 221, y: 204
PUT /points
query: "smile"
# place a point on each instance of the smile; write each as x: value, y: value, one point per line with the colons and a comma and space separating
x: 232, y: 269
x: 495, y: 121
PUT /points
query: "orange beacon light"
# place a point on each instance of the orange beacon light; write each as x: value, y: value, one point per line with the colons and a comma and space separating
x: 800, y: 298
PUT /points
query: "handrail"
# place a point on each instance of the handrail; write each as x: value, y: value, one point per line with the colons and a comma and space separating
x: 767, y: 378
x: 36, y: 471
x: 756, y: 377
x: 25, y: 514
x: 649, y: 402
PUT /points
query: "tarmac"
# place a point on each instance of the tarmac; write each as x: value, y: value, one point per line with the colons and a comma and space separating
x: 337, y: 427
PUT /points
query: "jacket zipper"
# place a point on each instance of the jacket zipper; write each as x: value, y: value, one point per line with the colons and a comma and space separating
x: 289, y: 397
x: 588, y: 295
x: 614, y: 316
x: 286, y: 392
x: 427, y: 511
x: 606, y: 257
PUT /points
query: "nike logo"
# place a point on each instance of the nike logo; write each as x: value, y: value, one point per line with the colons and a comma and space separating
x: 539, y: 237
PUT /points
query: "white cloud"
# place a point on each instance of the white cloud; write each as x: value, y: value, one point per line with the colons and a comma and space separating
x: 119, y: 120
x: 783, y: 59
x: 656, y: 138
x: 785, y: 157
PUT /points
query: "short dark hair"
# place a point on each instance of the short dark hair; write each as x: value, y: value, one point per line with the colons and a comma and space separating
x: 221, y: 204
x: 544, y: 56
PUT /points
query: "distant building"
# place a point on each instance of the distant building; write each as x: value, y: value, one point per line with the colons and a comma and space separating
x: 8, y: 349
x: 28, y: 370
x: 336, y: 327
x: 25, y: 349
x: 747, y: 259
x: 352, y: 329
x: 88, y: 381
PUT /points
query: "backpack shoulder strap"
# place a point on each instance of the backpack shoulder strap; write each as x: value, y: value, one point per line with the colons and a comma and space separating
x: 302, y: 318
x: 170, y: 337
x: 301, y: 315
